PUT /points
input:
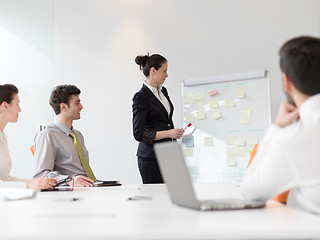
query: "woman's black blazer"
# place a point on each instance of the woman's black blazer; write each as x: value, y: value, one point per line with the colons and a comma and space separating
x: 149, y: 116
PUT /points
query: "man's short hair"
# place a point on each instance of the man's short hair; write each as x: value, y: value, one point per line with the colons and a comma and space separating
x: 300, y: 60
x: 62, y: 94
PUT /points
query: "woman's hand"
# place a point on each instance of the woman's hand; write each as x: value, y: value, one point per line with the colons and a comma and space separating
x: 175, y: 133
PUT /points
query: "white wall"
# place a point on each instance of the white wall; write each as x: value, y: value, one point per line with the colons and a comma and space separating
x: 26, y: 44
x: 96, y: 41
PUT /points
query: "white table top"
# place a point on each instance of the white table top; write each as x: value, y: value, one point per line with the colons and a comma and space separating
x: 106, y: 213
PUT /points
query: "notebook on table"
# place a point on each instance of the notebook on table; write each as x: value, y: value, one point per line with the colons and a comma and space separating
x: 101, y: 183
x: 176, y: 176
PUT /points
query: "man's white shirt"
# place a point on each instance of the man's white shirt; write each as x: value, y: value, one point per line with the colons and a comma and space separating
x: 289, y: 158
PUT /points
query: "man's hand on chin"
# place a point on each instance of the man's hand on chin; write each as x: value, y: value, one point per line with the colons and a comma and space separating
x: 287, y: 114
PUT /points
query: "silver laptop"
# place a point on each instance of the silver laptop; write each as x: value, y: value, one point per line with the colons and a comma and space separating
x: 176, y: 176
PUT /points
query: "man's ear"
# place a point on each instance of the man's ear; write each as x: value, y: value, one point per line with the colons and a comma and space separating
x: 287, y: 84
x: 63, y: 107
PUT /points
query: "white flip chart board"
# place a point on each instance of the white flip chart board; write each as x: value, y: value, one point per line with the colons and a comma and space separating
x: 229, y: 115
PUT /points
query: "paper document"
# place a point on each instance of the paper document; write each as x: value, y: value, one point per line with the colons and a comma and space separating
x: 9, y: 194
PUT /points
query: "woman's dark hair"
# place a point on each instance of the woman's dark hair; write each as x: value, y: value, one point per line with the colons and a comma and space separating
x: 146, y: 62
x: 300, y: 60
x: 7, y: 92
x: 62, y: 94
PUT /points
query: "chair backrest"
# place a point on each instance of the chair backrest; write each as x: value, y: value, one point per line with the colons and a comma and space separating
x: 283, y: 197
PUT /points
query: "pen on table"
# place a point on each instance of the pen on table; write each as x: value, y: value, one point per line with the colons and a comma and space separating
x: 140, y: 198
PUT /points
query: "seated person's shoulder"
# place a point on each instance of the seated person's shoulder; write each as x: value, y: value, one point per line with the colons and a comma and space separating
x: 305, y: 138
x: 287, y: 133
x: 47, y: 132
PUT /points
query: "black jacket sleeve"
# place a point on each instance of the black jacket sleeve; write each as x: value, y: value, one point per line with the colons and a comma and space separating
x: 140, y: 108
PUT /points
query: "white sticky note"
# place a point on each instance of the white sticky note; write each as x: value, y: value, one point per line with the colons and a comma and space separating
x: 188, y: 152
x: 231, y: 151
x: 240, y: 92
x: 190, y: 118
x: 231, y: 161
x: 228, y: 102
x: 198, y: 96
x: 208, y: 141
x: 188, y: 98
x: 240, y: 152
x: 245, y: 116
x: 199, y: 105
x: 216, y: 115
x: 200, y: 115
x: 214, y: 103
x: 252, y: 140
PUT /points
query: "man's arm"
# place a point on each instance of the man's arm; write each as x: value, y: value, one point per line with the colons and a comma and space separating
x: 44, y: 154
x: 271, y: 171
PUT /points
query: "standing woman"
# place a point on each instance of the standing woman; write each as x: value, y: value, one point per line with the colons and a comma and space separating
x: 152, y: 115
x: 9, y: 112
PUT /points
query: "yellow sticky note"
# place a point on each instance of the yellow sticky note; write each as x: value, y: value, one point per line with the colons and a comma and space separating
x: 231, y: 151
x: 188, y: 98
x: 230, y: 141
x: 250, y: 152
x: 231, y: 161
x: 235, y: 141
x: 208, y: 141
x: 199, y: 105
x: 200, y: 115
x: 245, y: 116
x: 190, y: 118
x: 228, y: 102
x: 240, y: 152
x: 240, y: 141
x: 216, y: 115
x: 188, y: 152
x: 240, y: 92
x: 252, y: 140
x: 197, y: 96
x: 214, y: 103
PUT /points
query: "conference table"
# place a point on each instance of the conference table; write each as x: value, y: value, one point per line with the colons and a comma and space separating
x: 146, y: 212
